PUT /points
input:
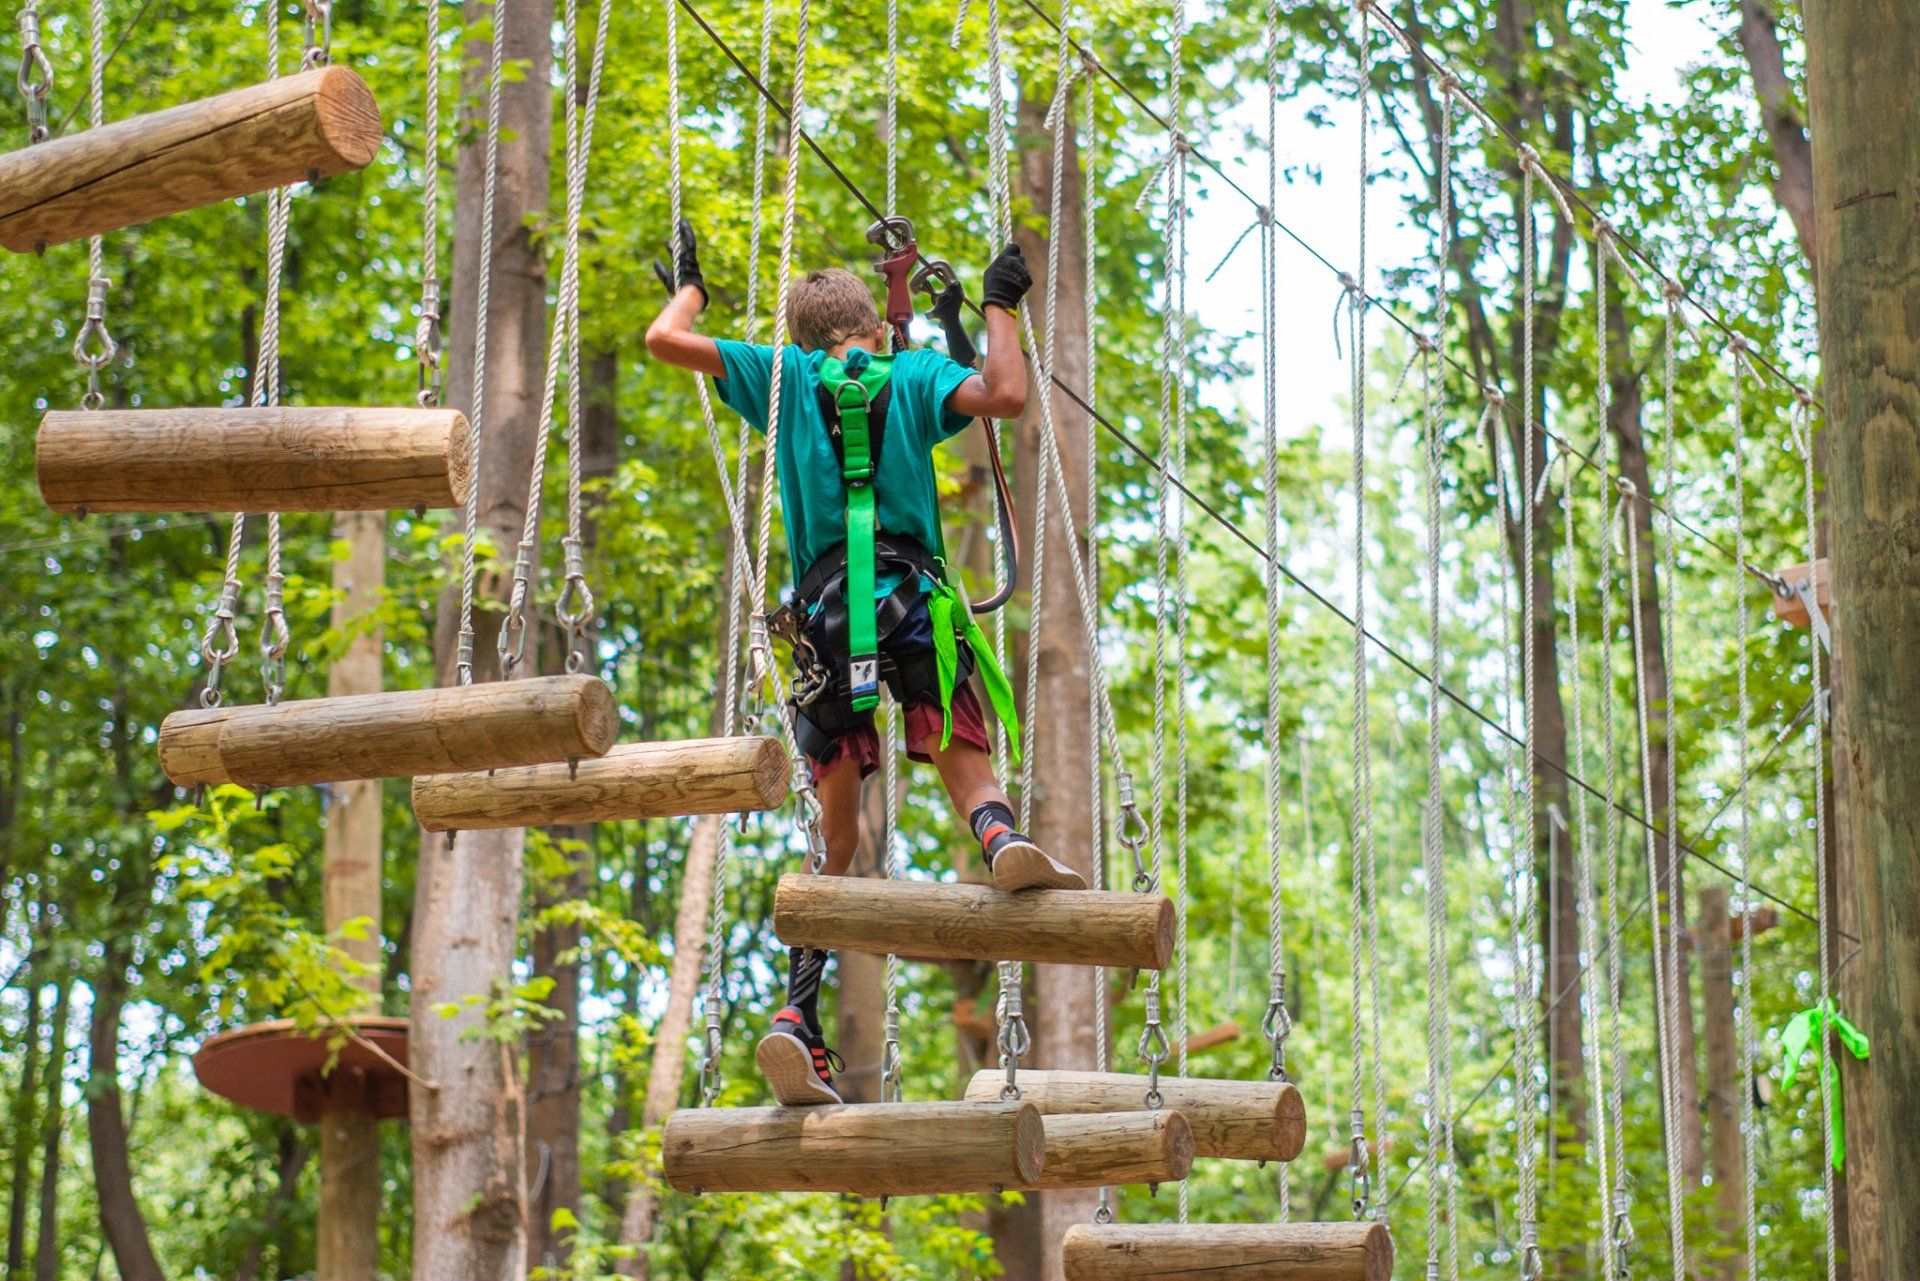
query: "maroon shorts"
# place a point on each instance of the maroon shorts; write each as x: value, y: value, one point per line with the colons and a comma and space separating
x: 923, y: 729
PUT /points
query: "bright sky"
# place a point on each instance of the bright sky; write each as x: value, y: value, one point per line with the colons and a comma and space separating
x: 1665, y: 40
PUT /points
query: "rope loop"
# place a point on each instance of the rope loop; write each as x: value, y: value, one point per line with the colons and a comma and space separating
x: 1360, y: 1182
x: 318, y: 33
x: 1154, y: 1047
x: 1530, y: 1262
x: 35, y: 77
x: 575, y: 606
x: 220, y: 644
x: 427, y: 343
x: 1013, y: 1038
x: 808, y: 802
x: 1277, y: 1024
x: 710, y: 1078
x: 274, y: 638
x: 513, y: 632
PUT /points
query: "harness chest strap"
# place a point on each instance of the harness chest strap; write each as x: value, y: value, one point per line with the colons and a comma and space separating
x: 853, y: 392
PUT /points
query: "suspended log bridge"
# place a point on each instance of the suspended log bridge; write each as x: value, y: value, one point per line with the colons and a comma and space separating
x: 293, y: 129
x: 276, y: 1067
x: 864, y: 1149
x: 974, y: 922
x: 282, y: 459
x: 1791, y: 609
x: 1228, y: 1252
x: 1239, y: 1120
x: 633, y: 780
x: 1115, y: 1148
x: 392, y: 735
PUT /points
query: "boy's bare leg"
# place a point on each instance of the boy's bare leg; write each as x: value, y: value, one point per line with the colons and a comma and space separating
x: 839, y: 793
x: 1016, y: 862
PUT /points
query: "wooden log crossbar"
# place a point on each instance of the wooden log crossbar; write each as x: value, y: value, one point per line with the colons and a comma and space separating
x: 393, y: 735
x: 863, y: 1149
x: 633, y: 780
x: 974, y: 922
x: 292, y: 129
x: 1228, y: 1252
x: 1237, y: 1120
x: 1115, y: 1148
x: 281, y: 459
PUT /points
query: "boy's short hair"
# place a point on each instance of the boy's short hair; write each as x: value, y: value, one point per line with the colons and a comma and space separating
x: 830, y: 306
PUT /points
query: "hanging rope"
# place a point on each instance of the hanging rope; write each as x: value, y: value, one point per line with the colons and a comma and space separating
x: 574, y: 607
x: 1432, y: 844
x: 891, y: 1088
x: 1526, y: 987
x: 93, y: 347
x: 483, y: 307
x: 1802, y: 424
x: 1591, y: 972
x: 426, y: 338
x: 1749, y: 1165
x: 1364, y: 928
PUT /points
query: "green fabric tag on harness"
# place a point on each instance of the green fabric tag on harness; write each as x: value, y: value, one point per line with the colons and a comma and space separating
x: 952, y: 623
x: 853, y: 384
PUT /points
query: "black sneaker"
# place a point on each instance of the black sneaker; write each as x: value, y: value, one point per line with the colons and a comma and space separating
x: 797, y: 1063
x: 1018, y: 864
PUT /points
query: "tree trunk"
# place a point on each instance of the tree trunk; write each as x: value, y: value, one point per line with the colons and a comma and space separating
x: 292, y: 1160
x: 25, y: 1100
x: 468, y: 1133
x: 46, y: 1249
x: 1713, y: 943
x: 1759, y: 37
x: 1860, y: 60
x: 347, y: 1228
x: 1625, y: 421
x: 860, y: 983
x: 1062, y: 1009
x: 553, y: 1053
x: 121, y: 1222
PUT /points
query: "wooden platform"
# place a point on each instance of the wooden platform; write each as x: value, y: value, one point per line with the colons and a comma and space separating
x: 283, y: 459
x: 313, y: 124
x: 1791, y: 610
x: 633, y: 780
x: 394, y: 735
x: 866, y: 1149
x: 275, y: 1067
x: 975, y: 922
x: 1239, y: 1120
x: 1228, y: 1252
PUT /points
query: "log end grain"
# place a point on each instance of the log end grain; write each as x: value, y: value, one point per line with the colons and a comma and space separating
x: 597, y: 714
x: 349, y: 118
x: 772, y: 773
x: 1290, y: 1123
x: 459, y: 459
x: 190, y: 747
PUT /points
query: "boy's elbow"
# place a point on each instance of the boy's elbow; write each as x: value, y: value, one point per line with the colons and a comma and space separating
x: 659, y: 341
x: 1010, y: 404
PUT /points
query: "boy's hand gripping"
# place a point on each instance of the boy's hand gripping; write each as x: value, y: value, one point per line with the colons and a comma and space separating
x: 1006, y: 280
x: 686, y: 264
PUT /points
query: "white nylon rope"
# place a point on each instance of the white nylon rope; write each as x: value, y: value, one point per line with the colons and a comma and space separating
x: 1674, y: 1227
x: 1590, y: 968
x: 1676, y: 994
x: 891, y: 1065
x: 1182, y: 618
x: 1526, y: 988
x: 426, y: 338
x: 1802, y: 421
x: 482, y: 306
x: 1433, y: 852
x: 1363, y: 944
x: 1743, y: 717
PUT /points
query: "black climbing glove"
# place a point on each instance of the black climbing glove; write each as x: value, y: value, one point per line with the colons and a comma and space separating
x: 686, y: 264
x: 946, y: 311
x: 1006, y: 280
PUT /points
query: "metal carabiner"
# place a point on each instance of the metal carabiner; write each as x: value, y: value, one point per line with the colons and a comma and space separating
x: 893, y: 234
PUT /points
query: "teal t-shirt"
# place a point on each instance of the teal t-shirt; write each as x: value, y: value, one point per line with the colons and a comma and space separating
x: 812, y: 494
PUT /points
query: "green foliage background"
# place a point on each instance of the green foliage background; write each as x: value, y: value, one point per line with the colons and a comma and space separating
x: 213, y: 908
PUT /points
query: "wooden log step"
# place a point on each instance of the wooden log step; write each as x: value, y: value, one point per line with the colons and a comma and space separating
x: 633, y: 780
x: 283, y: 459
x: 313, y: 124
x: 974, y: 922
x: 1115, y: 1148
x: 1228, y: 1252
x: 1792, y: 610
x: 865, y: 1149
x: 1239, y: 1120
x: 392, y: 735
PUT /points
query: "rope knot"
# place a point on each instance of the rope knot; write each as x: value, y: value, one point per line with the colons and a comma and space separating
x: 1449, y: 83
x: 1493, y: 396
x: 1529, y: 158
x: 1627, y: 488
x: 1426, y: 344
x: 1674, y: 291
x: 1263, y: 214
x: 1802, y: 396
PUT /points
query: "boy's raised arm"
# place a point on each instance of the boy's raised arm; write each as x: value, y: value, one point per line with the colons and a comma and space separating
x: 671, y: 337
x: 999, y: 390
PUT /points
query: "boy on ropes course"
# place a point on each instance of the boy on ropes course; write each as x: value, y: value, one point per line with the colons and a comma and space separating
x: 871, y: 600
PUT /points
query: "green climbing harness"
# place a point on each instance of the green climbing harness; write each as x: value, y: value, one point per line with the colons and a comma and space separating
x: 853, y: 391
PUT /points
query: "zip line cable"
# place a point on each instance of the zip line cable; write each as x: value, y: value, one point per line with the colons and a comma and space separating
x: 1249, y: 541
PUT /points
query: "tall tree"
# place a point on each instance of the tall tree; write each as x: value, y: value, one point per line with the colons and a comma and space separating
x: 1063, y: 803
x: 53, y: 1118
x: 1866, y: 160
x: 468, y: 1132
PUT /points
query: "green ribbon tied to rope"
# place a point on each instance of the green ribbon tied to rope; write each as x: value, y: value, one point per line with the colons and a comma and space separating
x: 952, y: 623
x: 1799, y: 1037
